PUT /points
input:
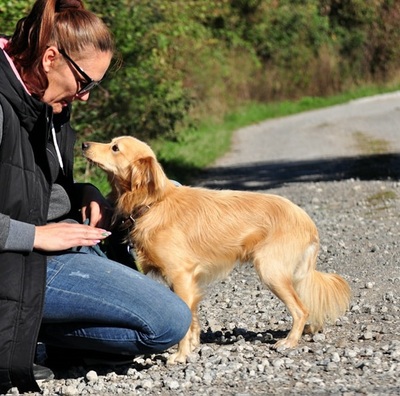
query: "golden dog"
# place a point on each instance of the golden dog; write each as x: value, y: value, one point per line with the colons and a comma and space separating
x: 193, y: 236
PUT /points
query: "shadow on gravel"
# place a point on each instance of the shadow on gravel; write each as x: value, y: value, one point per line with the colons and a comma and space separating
x: 230, y: 337
x: 79, y: 371
x: 265, y: 175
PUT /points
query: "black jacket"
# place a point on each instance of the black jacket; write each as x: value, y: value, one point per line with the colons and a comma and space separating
x: 28, y: 168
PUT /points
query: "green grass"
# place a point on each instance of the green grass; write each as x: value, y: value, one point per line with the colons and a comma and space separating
x: 381, y: 197
x: 197, y: 148
x: 369, y: 145
x: 381, y: 200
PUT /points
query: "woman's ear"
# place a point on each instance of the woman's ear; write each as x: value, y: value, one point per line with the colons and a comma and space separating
x: 49, y: 57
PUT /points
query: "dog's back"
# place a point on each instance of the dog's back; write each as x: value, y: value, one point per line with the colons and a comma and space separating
x: 220, y: 226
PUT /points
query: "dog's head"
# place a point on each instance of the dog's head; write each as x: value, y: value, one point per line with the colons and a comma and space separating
x: 131, y: 166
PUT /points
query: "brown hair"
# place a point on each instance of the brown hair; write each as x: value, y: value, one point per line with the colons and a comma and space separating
x: 65, y: 23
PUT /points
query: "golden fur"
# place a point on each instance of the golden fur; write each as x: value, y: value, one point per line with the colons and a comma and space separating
x: 194, y: 236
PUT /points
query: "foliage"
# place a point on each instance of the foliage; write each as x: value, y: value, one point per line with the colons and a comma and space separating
x: 189, y: 60
x: 10, y: 13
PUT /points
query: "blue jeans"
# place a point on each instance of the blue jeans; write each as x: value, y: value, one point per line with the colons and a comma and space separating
x: 93, y: 303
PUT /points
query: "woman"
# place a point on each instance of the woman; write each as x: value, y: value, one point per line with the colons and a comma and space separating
x: 76, y: 298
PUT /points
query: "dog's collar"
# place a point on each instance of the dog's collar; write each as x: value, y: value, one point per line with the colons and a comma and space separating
x: 130, y: 221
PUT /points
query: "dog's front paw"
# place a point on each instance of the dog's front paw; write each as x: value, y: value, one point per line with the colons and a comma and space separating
x: 286, y: 343
x: 177, y: 357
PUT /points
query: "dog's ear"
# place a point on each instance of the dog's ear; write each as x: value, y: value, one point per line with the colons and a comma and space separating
x: 147, y: 173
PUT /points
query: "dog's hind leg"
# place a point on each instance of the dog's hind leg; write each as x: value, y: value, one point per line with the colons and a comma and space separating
x: 284, y: 290
x: 275, y: 268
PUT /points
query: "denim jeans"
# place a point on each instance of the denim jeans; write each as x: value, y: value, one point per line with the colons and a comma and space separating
x: 93, y: 303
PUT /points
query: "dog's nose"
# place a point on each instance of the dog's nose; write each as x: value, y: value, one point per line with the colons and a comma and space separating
x: 85, y: 145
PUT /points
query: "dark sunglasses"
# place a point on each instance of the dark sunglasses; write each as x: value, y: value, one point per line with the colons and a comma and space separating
x: 89, y: 83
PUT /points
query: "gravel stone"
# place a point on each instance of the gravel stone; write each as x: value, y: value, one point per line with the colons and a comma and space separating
x: 91, y: 376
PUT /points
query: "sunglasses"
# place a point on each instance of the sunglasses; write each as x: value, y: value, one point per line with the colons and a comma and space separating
x: 89, y: 83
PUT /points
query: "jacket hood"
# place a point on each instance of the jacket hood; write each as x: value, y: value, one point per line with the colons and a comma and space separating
x: 12, y: 89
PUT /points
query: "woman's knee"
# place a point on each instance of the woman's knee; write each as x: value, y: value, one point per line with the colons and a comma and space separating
x: 168, y: 331
x: 180, y: 323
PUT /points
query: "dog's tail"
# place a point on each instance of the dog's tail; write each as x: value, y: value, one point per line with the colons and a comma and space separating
x: 326, y: 296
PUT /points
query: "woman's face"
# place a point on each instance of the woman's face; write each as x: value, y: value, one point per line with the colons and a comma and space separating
x: 65, y: 78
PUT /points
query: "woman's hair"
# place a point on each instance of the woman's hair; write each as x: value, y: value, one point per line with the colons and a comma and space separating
x: 64, y: 23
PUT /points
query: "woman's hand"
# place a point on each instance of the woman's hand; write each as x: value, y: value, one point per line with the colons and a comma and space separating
x: 61, y: 236
x: 96, y: 208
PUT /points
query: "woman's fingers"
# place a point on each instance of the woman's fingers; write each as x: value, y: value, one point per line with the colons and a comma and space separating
x: 61, y: 236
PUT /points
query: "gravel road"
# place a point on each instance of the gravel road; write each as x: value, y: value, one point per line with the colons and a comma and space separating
x: 342, y: 165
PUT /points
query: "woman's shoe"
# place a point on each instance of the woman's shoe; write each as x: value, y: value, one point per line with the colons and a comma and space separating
x: 42, y: 373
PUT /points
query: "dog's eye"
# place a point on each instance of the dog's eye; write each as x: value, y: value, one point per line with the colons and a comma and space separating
x: 115, y: 148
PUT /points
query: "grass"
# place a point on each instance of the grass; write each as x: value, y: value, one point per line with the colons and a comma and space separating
x: 382, y: 196
x: 369, y: 145
x: 197, y: 148
x: 381, y: 200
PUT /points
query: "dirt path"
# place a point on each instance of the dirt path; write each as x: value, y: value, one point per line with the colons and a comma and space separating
x: 359, y: 139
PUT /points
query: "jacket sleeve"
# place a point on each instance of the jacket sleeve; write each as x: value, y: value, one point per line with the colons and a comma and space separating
x: 16, y: 235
